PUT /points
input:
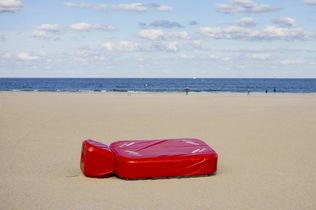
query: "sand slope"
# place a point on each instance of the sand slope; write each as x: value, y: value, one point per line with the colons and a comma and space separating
x: 266, y: 145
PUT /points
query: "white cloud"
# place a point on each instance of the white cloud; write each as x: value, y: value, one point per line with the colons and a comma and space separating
x: 129, y: 46
x: 213, y: 57
x: 49, y: 30
x: 46, y: 30
x: 83, y: 5
x: 236, y: 6
x: 6, y: 55
x: 81, y: 26
x: 181, y: 35
x: 49, y: 27
x: 285, y: 21
x: 76, y: 5
x: 87, y: 26
x: 140, y: 7
x: 25, y: 56
x: 155, y: 34
x: 229, y: 32
x: 263, y: 56
x: 105, y: 27
x: 172, y: 46
x: 227, y: 59
x: 312, y: 2
x: 101, y: 6
x: 292, y: 62
x: 278, y: 32
x: 124, y: 46
x: 100, y: 58
x: 87, y: 54
x: 186, y: 55
x: 269, y: 32
x: 39, y: 33
x: 246, y: 21
x: 152, y: 34
x: 127, y: 7
x: 196, y: 43
x: 164, y: 8
x: 133, y: 7
x: 217, y: 58
x: 10, y: 5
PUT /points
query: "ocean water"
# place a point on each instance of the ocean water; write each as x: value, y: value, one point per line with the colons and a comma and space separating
x: 157, y: 85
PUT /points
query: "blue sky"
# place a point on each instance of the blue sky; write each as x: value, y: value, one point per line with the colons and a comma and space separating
x: 221, y: 38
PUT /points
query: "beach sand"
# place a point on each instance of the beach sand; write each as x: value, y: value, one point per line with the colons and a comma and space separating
x: 266, y: 145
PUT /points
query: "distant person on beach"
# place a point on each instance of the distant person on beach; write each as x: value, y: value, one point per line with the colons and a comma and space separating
x: 187, y: 90
x: 274, y: 90
x: 248, y: 91
x: 266, y: 91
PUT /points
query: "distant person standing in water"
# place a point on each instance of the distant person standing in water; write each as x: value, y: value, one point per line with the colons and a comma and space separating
x: 187, y: 91
x: 248, y: 91
x: 274, y: 90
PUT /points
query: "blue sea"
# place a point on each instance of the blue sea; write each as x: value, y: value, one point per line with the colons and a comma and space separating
x: 157, y: 85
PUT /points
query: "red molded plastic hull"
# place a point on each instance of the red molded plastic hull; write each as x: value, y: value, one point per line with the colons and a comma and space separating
x: 163, y: 158
x: 96, y: 159
x: 137, y: 159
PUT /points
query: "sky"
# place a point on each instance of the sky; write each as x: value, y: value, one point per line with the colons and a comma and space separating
x: 158, y: 38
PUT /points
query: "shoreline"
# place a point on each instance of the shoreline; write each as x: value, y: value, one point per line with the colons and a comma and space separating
x: 159, y: 92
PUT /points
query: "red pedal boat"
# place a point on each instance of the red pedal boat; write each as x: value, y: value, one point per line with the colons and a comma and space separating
x: 140, y: 159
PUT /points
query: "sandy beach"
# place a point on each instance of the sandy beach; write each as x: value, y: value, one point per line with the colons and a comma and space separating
x: 266, y: 146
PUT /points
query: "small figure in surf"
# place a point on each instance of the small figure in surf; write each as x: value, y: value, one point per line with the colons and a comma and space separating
x: 187, y: 90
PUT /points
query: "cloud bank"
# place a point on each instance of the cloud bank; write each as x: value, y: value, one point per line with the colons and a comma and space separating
x: 269, y: 32
x: 125, y: 46
x: 10, y: 5
x: 125, y: 7
x: 25, y: 56
x: 163, y: 24
x: 46, y: 30
x: 311, y: 2
x: 285, y: 21
x: 246, y: 21
x: 239, y: 6
x: 49, y: 30
x: 133, y: 7
x: 76, y: 5
x: 152, y: 34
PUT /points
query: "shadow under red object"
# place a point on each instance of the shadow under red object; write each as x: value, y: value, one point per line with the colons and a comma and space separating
x: 139, y: 159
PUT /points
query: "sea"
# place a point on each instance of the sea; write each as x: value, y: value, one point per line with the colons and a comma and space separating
x: 157, y: 85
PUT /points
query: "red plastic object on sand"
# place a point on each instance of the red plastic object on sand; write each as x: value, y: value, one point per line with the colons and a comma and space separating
x: 139, y: 159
